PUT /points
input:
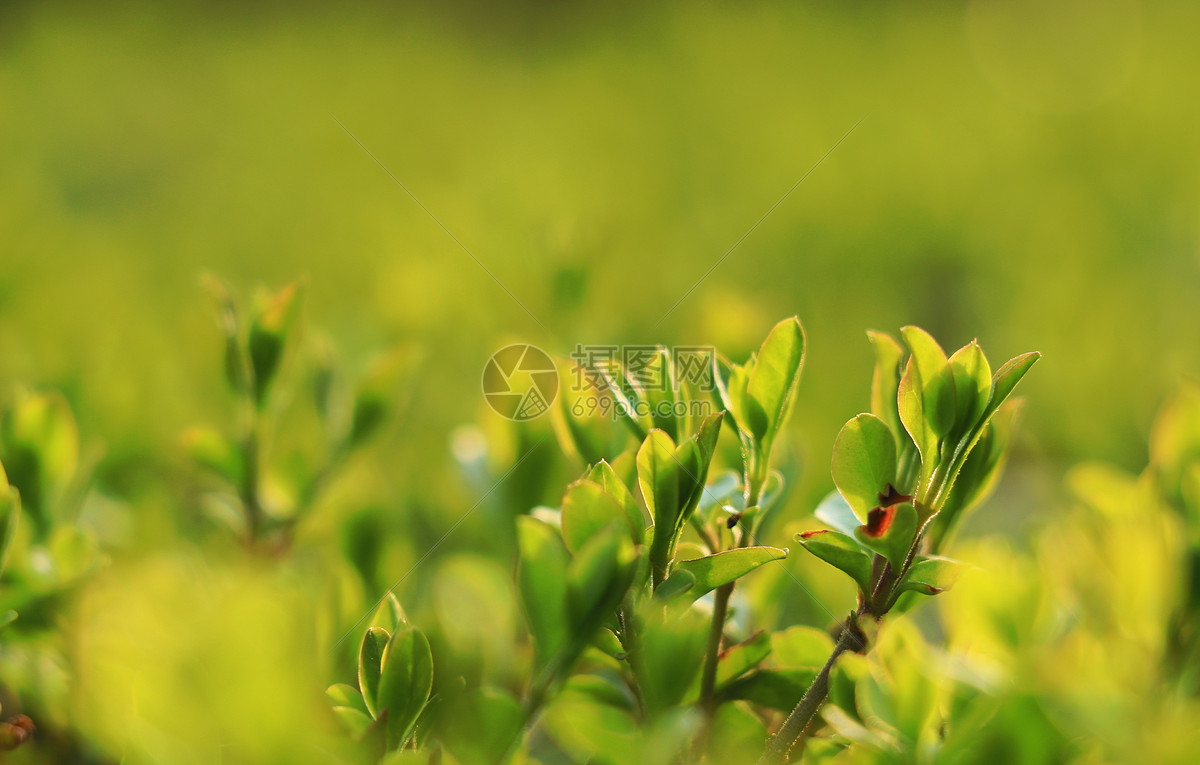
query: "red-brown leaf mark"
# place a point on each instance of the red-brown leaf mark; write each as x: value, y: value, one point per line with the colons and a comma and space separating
x: 813, y: 533
x: 732, y: 520
x: 879, y: 521
x: 892, y: 497
x: 15, y: 732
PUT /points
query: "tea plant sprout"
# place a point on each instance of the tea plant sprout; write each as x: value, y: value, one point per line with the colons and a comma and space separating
x: 906, y: 473
x: 610, y: 578
x: 262, y: 348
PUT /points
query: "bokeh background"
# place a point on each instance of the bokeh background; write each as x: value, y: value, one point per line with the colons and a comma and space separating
x: 1024, y: 173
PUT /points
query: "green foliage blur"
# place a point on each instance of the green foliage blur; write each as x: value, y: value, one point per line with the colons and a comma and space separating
x: 1019, y: 174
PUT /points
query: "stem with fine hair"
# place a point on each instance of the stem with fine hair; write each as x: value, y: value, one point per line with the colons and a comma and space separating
x: 797, y: 722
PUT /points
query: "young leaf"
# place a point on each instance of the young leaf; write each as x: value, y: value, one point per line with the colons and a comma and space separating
x: 268, y: 336
x: 588, y: 508
x: 405, y: 683
x: 772, y: 384
x: 542, y: 585
x: 1006, y: 379
x: 712, y: 571
x: 658, y: 477
x: 910, y: 402
x: 886, y: 379
x: 864, y: 461
x: 370, y: 666
x: 937, y: 379
x: 604, y: 474
x: 841, y: 552
x: 972, y: 386
x: 930, y: 575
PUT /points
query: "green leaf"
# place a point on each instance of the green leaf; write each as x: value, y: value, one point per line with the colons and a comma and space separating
x: 405, y: 683
x: 604, y: 474
x: 886, y: 379
x: 840, y: 551
x: 342, y: 695
x: 890, y: 531
x: 39, y: 446
x: 389, y: 614
x: 778, y: 689
x: 481, y: 726
x: 937, y: 379
x: 930, y: 575
x: 10, y: 518
x: 586, y: 509
x: 801, y: 646
x: 370, y: 666
x: 658, y: 477
x: 669, y: 657
x: 598, y: 578
x: 211, y: 449
x: 542, y: 585
x: 1006, y: 379
x: 972, y: 386
x: 679, y: 582
x: 6, y: 619
x: 864, y: 461
x: 772, y: 384
x: 836, y: 513
x: 375, y: 393
x: 911, y: 405
x: 662, y: 396
x: 269, y: 333
x: 742, y: 657
x: 712, y: 571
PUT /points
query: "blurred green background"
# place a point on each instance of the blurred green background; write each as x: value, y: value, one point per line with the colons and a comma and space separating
x: 1023, y: 174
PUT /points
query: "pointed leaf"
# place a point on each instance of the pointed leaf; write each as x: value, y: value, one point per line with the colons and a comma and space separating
x: 1007, y: 377
x: 586, y: 509
x: 777, y: 689
x: 604, y: 474
x: 712, y: 571
x: 406, y: 683
x: 841, y: 552
x: 370, y: 666
x: 342, y: 695
x: 776, y: 373
x: 658, y: 477
x: 937, y: 379
x: 972, y: 386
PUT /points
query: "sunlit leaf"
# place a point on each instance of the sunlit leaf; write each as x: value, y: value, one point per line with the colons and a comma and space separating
x: 864, y: 461
x: 841, y: 552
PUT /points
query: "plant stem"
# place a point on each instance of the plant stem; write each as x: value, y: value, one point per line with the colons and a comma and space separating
x: 712, y: 654
x: 780, y: 745
x: 250, y: 479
